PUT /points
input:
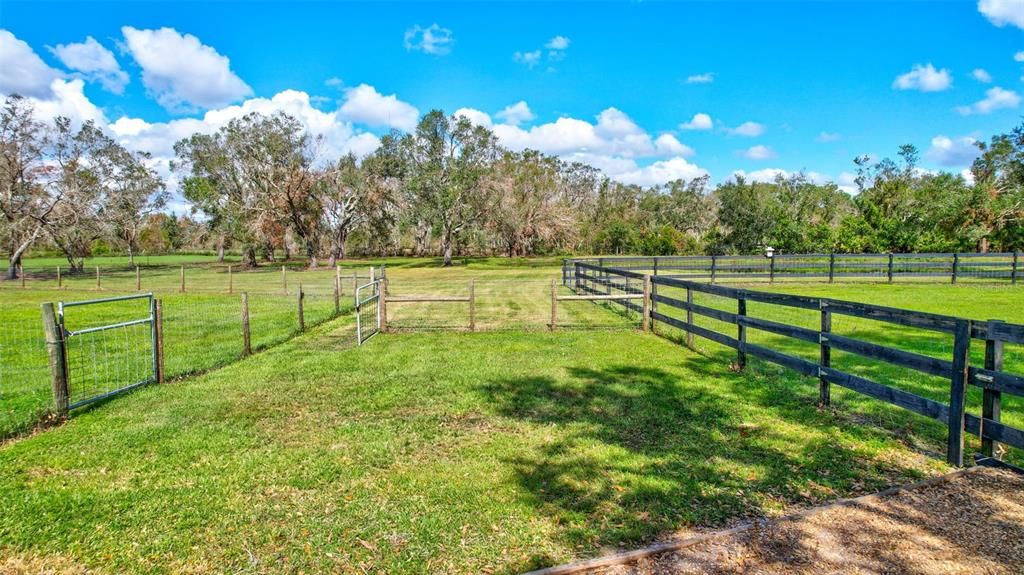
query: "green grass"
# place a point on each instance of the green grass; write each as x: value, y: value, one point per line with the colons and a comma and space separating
x: 434, y: 452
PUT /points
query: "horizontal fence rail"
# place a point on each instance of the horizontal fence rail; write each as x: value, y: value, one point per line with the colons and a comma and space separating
x: 587, y: 278
x: 889, y: 267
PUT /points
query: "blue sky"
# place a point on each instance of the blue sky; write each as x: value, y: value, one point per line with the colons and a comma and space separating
x: 786, y: 85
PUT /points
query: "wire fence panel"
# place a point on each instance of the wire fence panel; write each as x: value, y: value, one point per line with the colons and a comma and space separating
x: 109, y: 346
x: 25, y: 394
x: 200, y: 332
x: 368, y: 317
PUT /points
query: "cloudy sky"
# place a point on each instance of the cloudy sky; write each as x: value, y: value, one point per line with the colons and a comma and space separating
x: 646, y: 91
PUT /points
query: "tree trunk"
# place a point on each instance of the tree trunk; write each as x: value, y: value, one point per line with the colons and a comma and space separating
x: 220, y: 250
x: 12, y: 266
x: 983, y: 245
x: 447, y: 247
x: 249, y: 257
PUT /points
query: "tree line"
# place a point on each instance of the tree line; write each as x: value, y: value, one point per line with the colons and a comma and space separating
x: 262, y: 186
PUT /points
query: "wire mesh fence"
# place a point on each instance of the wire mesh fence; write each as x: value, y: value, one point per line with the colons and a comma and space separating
x: 200, y: 331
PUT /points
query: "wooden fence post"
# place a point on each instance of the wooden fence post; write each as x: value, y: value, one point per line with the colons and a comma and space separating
x: 1013, y: 271
x: 382, y: 300
x: 689, y: 317
x: 824, y: 355
x: 60, y: 281
x: 958, y: 392
x: 302, y: 315
x: 554, y: 305
x: 771, y: 270
x: 890, y: 266
x: 284, y: 280
x: 472, y: 305
x: 138, y: 279
x: 741, y: 333
x: 57, y: 351
x: 246, y: 337
x: 158, y: 339
x: 21, y: 274
x: 337, y: 300
x: 831, y: 267
x: 991, y: 401
x: 655, y: 265
x: 956, y: 268
x: 355, y: 288
x: 645, y: 322
x: 337, y: 279
x: 231, y: 280
x: 714, y: 267
x: 99, y: 285
x: 182, y: 289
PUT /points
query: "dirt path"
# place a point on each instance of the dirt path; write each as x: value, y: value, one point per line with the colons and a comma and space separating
x: 971, y: 524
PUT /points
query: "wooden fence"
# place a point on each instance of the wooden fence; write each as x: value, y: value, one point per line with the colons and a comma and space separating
x: 884, y: 267
x: 991, y: 377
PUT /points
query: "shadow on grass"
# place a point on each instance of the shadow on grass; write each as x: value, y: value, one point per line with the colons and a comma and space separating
x: 641, y: 454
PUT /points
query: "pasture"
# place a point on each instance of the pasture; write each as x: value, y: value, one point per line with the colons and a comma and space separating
x: 436, y: 450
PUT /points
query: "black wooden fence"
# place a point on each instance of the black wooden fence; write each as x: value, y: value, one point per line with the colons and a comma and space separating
x: 884, y: 267
x: 957, y: 370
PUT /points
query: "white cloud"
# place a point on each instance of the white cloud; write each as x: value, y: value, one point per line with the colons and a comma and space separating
x: 700, y: 121
x: 758, y: 152
x: 668, y: 145
x: 95, y: 62
x: 1003, y: 12
x: 659, y: 172
x: 364, y: 104
x: 334, y: 82
x: 22, y: 71
x: 847, y: 182
x: 531, y: 59
x: 828, y: 137
x: 1019, y: 56
x: 475, y: 116
x: 981, y: 75
x: 947, y: 151
x: 181, y: 72
x: 747, y: 129
x: 924, y: 78
x: 516, y: 113
x: 557, y: 43
x: 430, y: 40
x: 996, y: 98
x: 68, y: 99
x: 705, y: 78
x: 968, y: 176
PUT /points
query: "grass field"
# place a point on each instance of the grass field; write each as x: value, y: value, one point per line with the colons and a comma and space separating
x: 430, y: 453
x: 440, y: 451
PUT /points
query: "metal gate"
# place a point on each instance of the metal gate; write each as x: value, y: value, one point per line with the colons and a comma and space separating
x: 367, y: 311
x: 105, y: 359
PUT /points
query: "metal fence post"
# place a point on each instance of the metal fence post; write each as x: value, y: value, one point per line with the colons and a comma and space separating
x: 382, y: 301
x: 956, y: 267
x: 824, y: 355
x: 958, y: 392
x: 554, y: 306
x: 57, y: 349
x: 158, y: 340
x: 302, y: 315
x: 246, y: 336
x: 991, y: 402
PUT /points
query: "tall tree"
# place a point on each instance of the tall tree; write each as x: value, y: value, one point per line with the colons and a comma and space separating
x: 24, y: 204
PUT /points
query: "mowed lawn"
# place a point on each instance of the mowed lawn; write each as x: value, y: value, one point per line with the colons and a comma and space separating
x: 434, y: 452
